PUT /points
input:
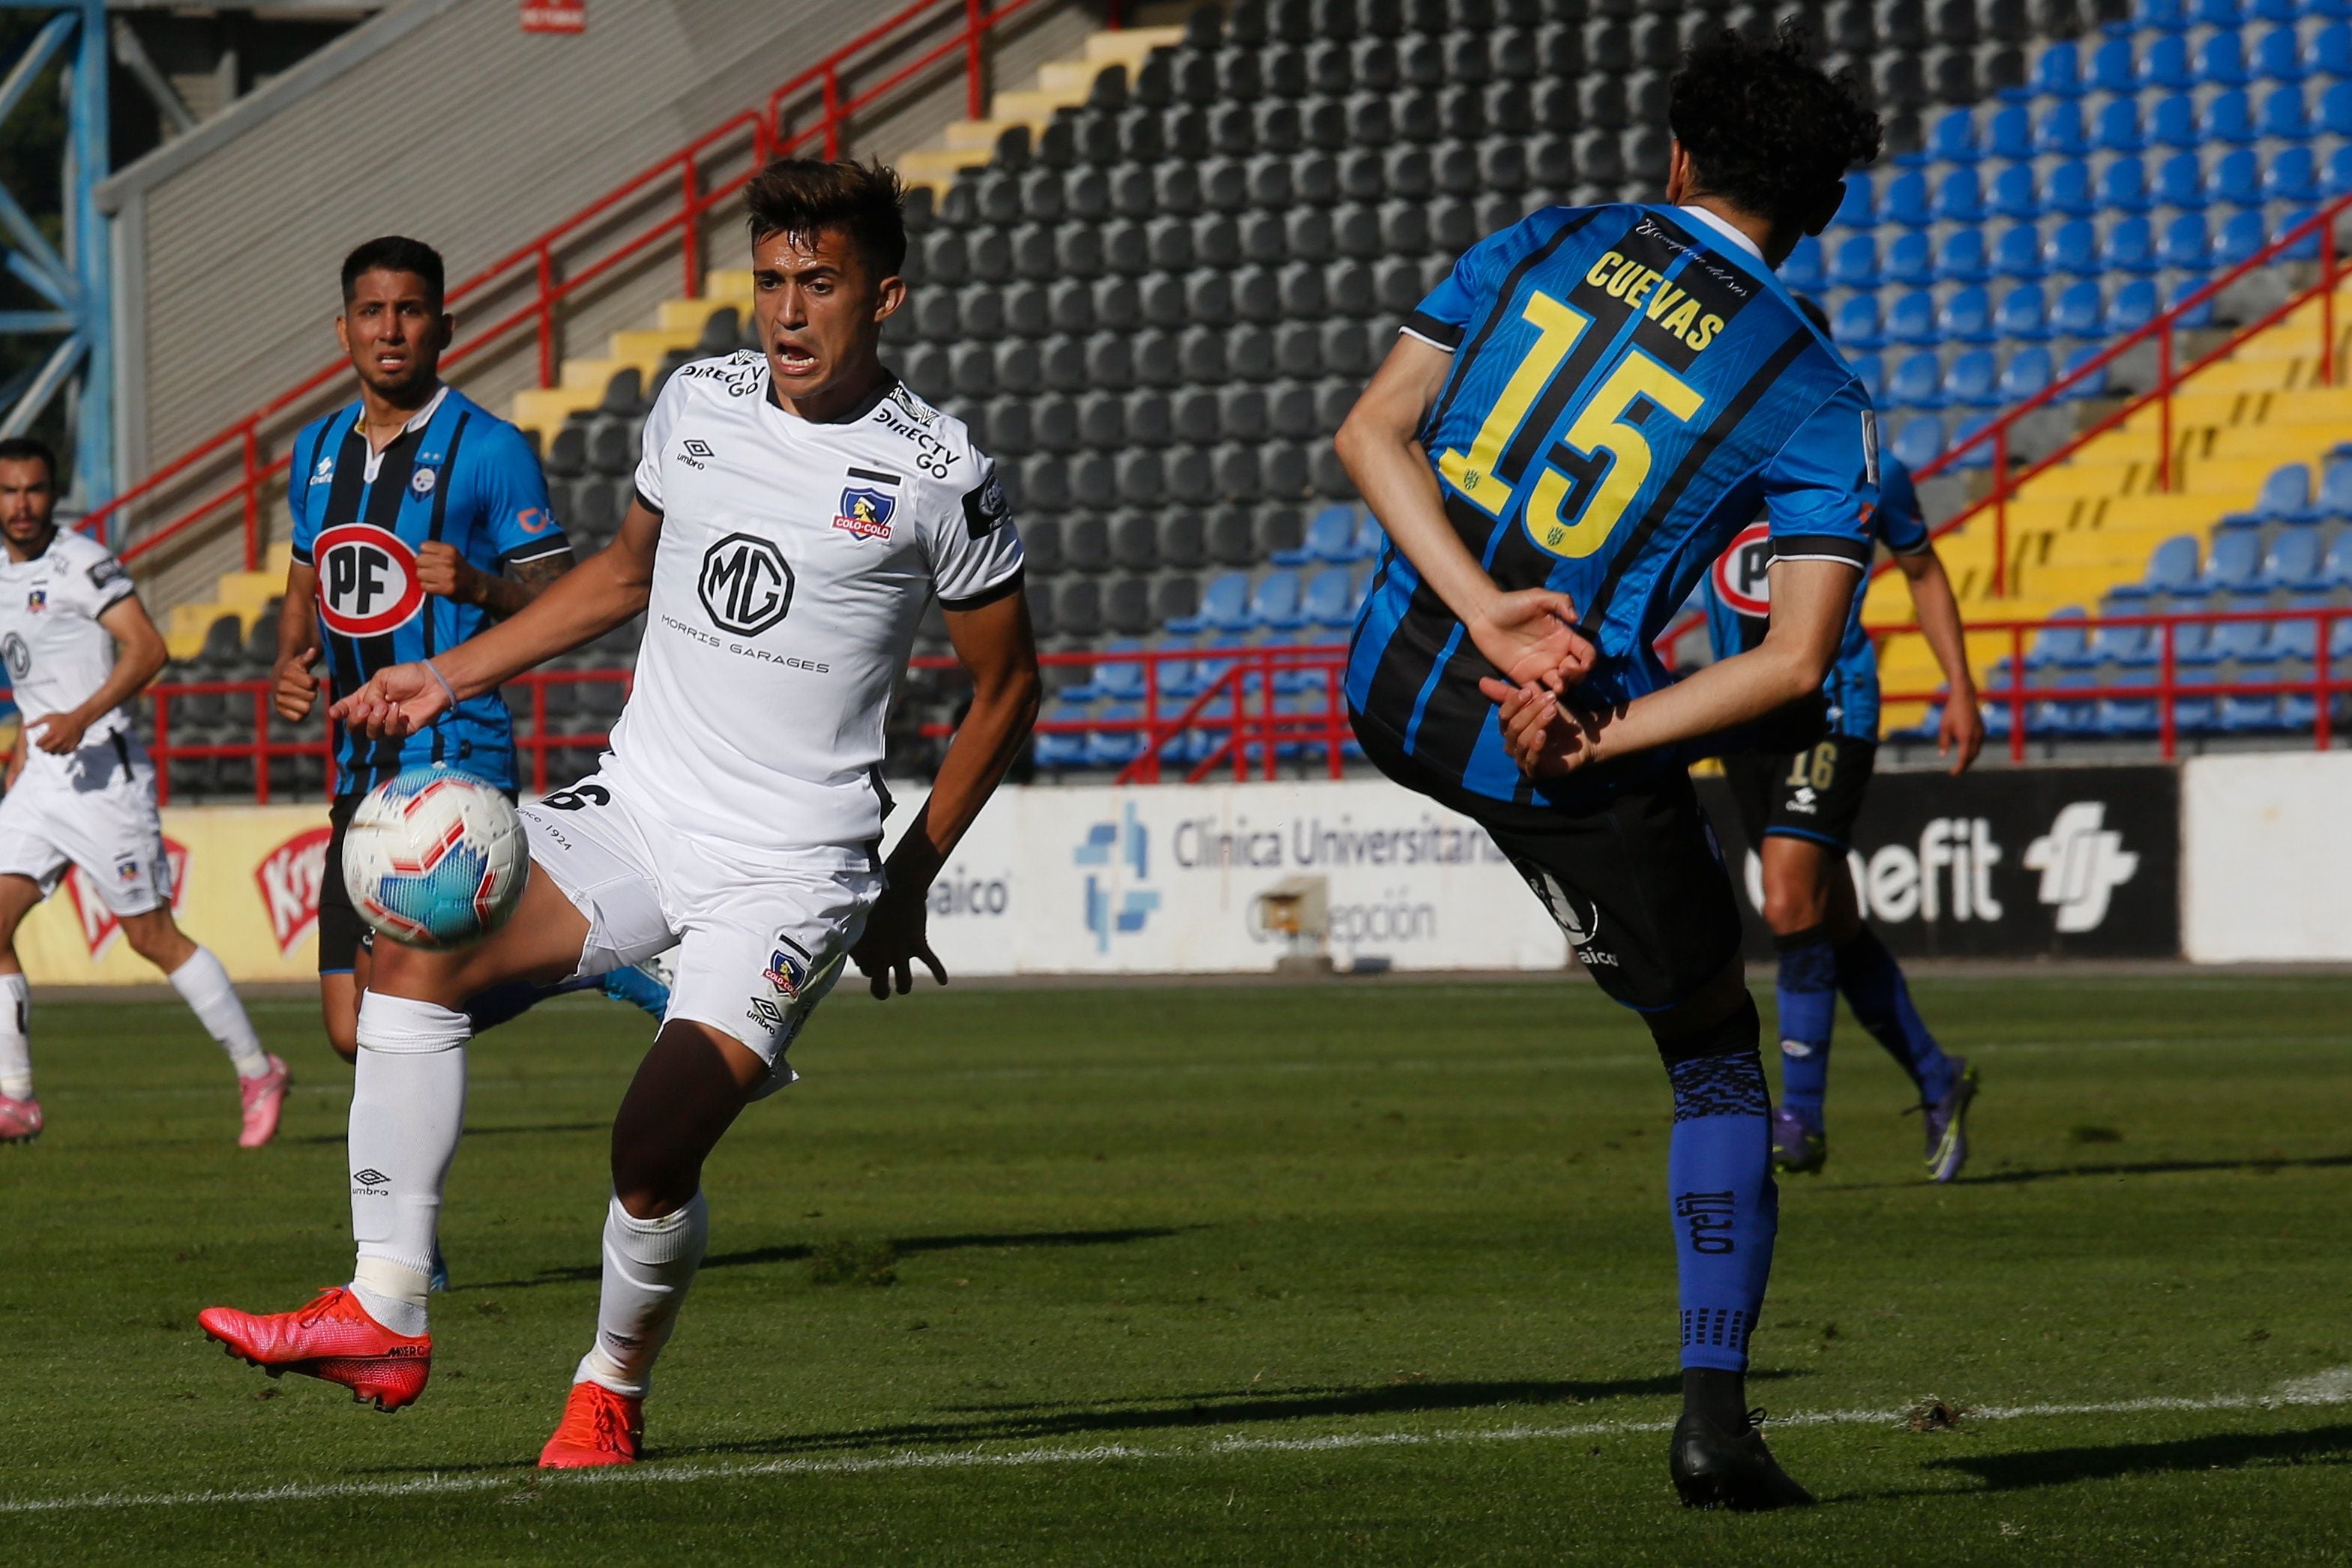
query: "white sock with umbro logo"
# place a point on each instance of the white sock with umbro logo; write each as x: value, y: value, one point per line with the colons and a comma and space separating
x: 408, y: 1107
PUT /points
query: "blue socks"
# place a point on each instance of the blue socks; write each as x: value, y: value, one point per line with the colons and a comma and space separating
x: 1874, y: 986
x: 1809, y: 987
x: 1725, y: 1208
x: 512, y: 998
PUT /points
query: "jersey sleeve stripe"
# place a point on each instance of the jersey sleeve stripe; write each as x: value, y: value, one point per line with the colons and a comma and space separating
x: 1004, y: 589
x: 1821, y: 547
x: 1432, y: 331
x: 649, y: 506
x: 555, y: 543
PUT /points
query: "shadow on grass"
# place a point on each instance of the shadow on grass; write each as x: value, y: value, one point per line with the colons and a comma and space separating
x: 2223, y: 1451
x: 2122, y: 1168
x: 795, y: 1251
x: 338, y: 1138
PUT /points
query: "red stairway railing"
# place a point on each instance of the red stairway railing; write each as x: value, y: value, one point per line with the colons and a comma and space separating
x: 668, y: 201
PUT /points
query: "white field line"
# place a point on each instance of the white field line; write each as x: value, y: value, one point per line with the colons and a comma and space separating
x: 2333, y: 1387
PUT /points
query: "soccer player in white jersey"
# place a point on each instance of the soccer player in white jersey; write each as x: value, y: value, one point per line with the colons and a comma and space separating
x: 796, y: 509
x: 81, y: 792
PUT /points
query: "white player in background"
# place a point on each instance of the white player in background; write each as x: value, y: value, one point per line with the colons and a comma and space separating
x: 797, y: 507
x: 81, y: 791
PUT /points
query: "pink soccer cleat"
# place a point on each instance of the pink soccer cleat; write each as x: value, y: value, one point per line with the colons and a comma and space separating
x: 20, y: 1120
x: 333, y: 1340
x: 264, y: 1098
x: 599, y: 1427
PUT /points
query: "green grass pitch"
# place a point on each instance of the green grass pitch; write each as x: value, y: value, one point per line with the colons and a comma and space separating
x: 1349, y: 1272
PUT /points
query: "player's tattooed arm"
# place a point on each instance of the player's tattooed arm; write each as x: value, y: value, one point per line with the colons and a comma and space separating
x: 440, y: 570
x: 525, y: 580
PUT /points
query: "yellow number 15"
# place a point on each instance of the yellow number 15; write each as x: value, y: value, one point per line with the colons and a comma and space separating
x: 1600, y: 427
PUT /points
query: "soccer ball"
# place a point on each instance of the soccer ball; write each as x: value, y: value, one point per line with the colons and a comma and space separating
x: 435, y: 858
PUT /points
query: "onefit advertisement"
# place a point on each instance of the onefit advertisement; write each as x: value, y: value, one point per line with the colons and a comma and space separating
x: 2057, y: 861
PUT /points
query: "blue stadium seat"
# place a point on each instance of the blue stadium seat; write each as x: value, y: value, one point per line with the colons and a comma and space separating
x: 2293, y: 176
x: 2014, y: 195
x: 2009, y: 132
x: 2285, y: 496
x: 2023, y: 314
x: 1974, y: 381
x: 1858, y: 210
x: 2234, y: 565
x: 1954, y: 137
x: 2134, y: 306
x: 2130, y: 246
x: 1917, y: 383
x: 2215, y: 14
x: 1117, y: 748
x: 2058, y: 716
x: 1055, y: 749
x: 2180, y: 182
x: 2185, y: 245
x: 2242, y: 235
x: 1961, y: 257
x: 1966, y: 316
x: 2283, y: 116
x: 2077, y: 311
x: 2113, y: 69
x: 2221, y: 60
x: 2165, y: 64
x: 2068, y: 190
x: 2018, y: 252
x: 2123, y: 188
x: 2292, y: 563
x: 2172, y: 566
x: 1329, y: 599
x: 1804, y: 269
x: 2073, y: 249
x: 2129, y: 647
x: 2278, y: 56
x: 1856, y: 325
x: 2331, y: 50
x: 1330, y: 536
x: 1911, y: 319
x: 2338, y: 180
x: 2116, y: 129
x: 2174, y: 123
x: 2198, y: 315
x: 1854, y: 263
x: 1920, y: 441
x: 1906, y: 201
x: 2304, y: 249
x: 2229, y: 117
x: 2062, y: 642
x: 1224, y: 607
x: 2058, y: 72
x: 1871, y: 371
x: 2244, y: 641
x: 1979, y: 456
x: 2060, y: 131
x: 1275, y: 603
x: 2026, y: 374
x: 1909, y: 259
x: 1371, y: 537
x: 2093, y: 382
x: 2334, y: 502
x: 1959, y: 196
x: 2293, y: 639
x: 2126, y: 718
x: 2336, y: 109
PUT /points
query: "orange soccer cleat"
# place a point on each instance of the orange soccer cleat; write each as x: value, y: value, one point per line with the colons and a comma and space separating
x: 599, y: 1427
x: 333, y: 1340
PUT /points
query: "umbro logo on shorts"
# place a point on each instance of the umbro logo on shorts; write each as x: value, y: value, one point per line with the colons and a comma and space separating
x: 370, y: 1178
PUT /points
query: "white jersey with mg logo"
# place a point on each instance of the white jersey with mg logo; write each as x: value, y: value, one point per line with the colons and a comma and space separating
x: 795, y: 561
x: 57, y: 652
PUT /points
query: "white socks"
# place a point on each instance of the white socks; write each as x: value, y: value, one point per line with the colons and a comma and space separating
x: 15, y: 1044
x: 203, y: 984
x: 648, y: 1264
x: 408, y: 1106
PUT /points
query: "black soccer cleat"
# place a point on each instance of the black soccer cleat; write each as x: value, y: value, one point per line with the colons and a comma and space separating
x: 1715, y: 1469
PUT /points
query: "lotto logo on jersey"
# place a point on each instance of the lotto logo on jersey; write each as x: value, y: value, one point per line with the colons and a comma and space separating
x: 1743, y: 573
x: 289, y: 878
x: 367, y: 581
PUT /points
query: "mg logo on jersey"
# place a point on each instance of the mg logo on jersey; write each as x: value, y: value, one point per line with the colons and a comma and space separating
x: 1743, y: 573
x: 289, y: 878
x: 367, y: 581
x: 746, y: 584
x: 17, y: 655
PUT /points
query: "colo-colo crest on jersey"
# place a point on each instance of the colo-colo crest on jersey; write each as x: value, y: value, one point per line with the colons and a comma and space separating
x: 367, y: 581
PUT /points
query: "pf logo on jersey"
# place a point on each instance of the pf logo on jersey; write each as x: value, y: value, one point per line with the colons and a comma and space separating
x: 1743, y: 573
x: 746, y: 584
x: 367, y: 581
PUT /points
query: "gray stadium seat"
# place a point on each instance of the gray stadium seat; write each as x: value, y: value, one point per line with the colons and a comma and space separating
x: 1147, y: 418
x: 1159, y: 359
x: 1027, y: 310
x: 720, y: 330
x: 1195, y: 415
x: 567, y: 452
x: 1102, y: 419
x: 1011, y: 429
x: 988, y: 254
x: 1094, y: 483
x: 1054, y: 419
x: 971, y: 370
x: 1314, y: 177
x: 1167, y: 244
x: 1078, y: 250
x: 1182, y: 542
x: 1109, y: 358
x: 1257, y: 295
x: 1216, y: 240
x: 1040, y: 542
x: 611, y: 444
x: 1117, y: 304
x: 980, y: 311
x: 1078, y: 608
x: 1128, y: 608
x: 1356, y: 230
x: 1249, y: 353
x: 1127, y: 247
x: 1045, y: 484
x: 1299, y: 291
x: 1070, y: 305
x: 625, y: 395
x: 1298, y: 347
x: 1231, y: 538
x: 1017, y: 367
x: 1041, y: 194
x: 1140, y: 476
x: 1188, y: 474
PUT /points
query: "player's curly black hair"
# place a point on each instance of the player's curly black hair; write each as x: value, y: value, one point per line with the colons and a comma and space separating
x: 1767, y: 129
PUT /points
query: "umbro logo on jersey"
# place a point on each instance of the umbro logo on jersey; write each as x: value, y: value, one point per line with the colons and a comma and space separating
x: 695, y: 454
x: 699, y: 448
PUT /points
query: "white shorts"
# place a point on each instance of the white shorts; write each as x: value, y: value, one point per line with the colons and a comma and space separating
x: 758, y: 947
x: 95, y: 810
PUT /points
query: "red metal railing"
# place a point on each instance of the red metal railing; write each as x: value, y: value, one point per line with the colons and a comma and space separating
x: 272, y: 739
x: 2163, y: 331
x: 669, y: 201
x: 2017, y: 696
